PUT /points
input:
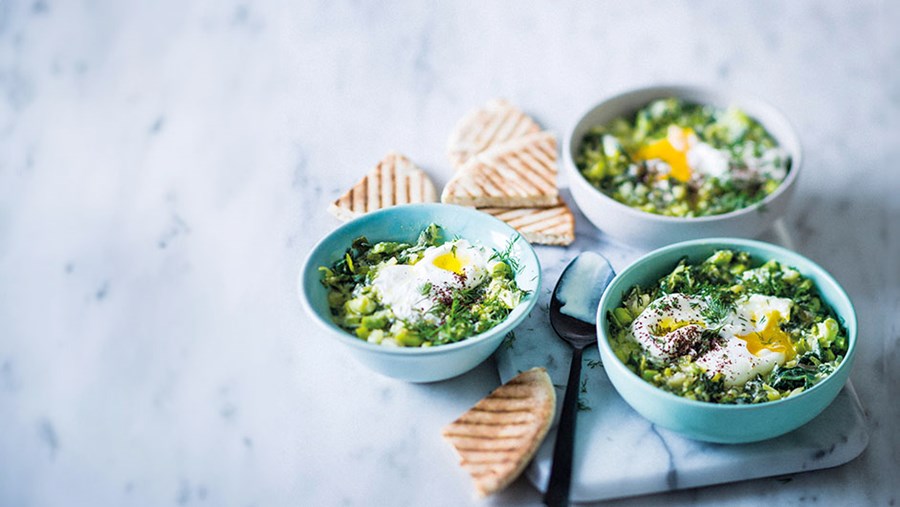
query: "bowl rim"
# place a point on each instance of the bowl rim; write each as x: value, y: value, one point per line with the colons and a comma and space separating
x: 808, y: 267
x: 697, y: 93
x: 309, y: 266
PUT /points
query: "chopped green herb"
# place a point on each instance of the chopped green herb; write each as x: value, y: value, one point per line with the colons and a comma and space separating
x: 506, y: 256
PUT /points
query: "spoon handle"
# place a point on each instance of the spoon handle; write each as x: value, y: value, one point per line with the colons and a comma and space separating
x: 561, y: 473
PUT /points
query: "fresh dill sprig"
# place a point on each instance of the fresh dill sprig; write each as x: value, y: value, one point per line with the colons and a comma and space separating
x: 454, y: 311
x: 717, y: 308
x: 506, y: 256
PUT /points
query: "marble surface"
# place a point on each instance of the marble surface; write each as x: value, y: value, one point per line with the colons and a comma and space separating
x: 658, y: 460
x: 165, y: 167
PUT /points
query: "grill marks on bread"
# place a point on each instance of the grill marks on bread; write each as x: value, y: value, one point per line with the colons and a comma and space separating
x: 497, y: 437
x: 493, y: 124
x: 395, y: 180
x: 547, y: 226
x: 506, y: 166
x: 520, y: 173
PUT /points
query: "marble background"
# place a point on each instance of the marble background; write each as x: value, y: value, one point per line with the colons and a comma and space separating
x: 165, y: 166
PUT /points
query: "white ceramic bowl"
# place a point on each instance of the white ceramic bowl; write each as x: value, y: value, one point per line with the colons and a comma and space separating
x: 648, y: 230
x: 404, y: 223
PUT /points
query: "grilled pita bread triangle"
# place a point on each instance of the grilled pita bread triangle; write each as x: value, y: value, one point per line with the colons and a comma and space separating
x: 495, y: 123
x: 545, y: 226
x: 497, y: 437
x: 395, y: 180
x: 516, y: 174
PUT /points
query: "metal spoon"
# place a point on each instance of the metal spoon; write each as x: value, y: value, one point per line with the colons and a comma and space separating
x: 573, y: 315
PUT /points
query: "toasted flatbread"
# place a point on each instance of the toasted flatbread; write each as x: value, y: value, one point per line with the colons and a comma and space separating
x: 395, y: 180
x: 495, y: 123
x: 544, y: 226
x: 497, y: 437
x: 516, y: 174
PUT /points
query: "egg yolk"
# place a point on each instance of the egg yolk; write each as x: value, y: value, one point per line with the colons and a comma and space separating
x: 673, y: 154
x: 668, y: 325
x: 449, y: 262
x: 770, y: 337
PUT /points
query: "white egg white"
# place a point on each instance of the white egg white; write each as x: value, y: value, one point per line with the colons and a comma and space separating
x: 705, y: 159
x: 412, y: 291
x: 665, y: 326
x: 734, y: 360
x: 676, y: 309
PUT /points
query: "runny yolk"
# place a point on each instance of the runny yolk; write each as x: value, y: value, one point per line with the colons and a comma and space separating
x: 668, y: 324
x: 674, y: 155
x: 450, y: 262
x: 770, y: 337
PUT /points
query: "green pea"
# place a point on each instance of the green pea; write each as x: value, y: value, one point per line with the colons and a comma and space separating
x: 362, y: 305
x: 500, y: 270
x: 407, y: 338
x: 721, y: 257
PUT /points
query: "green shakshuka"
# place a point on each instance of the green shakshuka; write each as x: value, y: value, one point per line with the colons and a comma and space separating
x: 429, y: 293
x: 681, y: 159
x: 725, y: 332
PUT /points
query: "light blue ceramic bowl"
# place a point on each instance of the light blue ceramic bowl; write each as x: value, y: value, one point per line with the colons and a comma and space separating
x: 404, y: 223
x: 709, y: 421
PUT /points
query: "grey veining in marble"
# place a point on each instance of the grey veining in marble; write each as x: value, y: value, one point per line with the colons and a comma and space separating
x: 165, y: 167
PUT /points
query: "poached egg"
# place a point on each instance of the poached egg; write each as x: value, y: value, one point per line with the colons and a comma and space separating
x: 751, y: 339
x: 411, y: 291
x: 685, y: 155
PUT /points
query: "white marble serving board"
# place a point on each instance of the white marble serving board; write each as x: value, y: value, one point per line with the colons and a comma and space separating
x: 618, y: 452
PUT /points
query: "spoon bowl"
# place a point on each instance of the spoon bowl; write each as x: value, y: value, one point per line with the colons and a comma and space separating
x: 575, y: 332
x: 573, y: 315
